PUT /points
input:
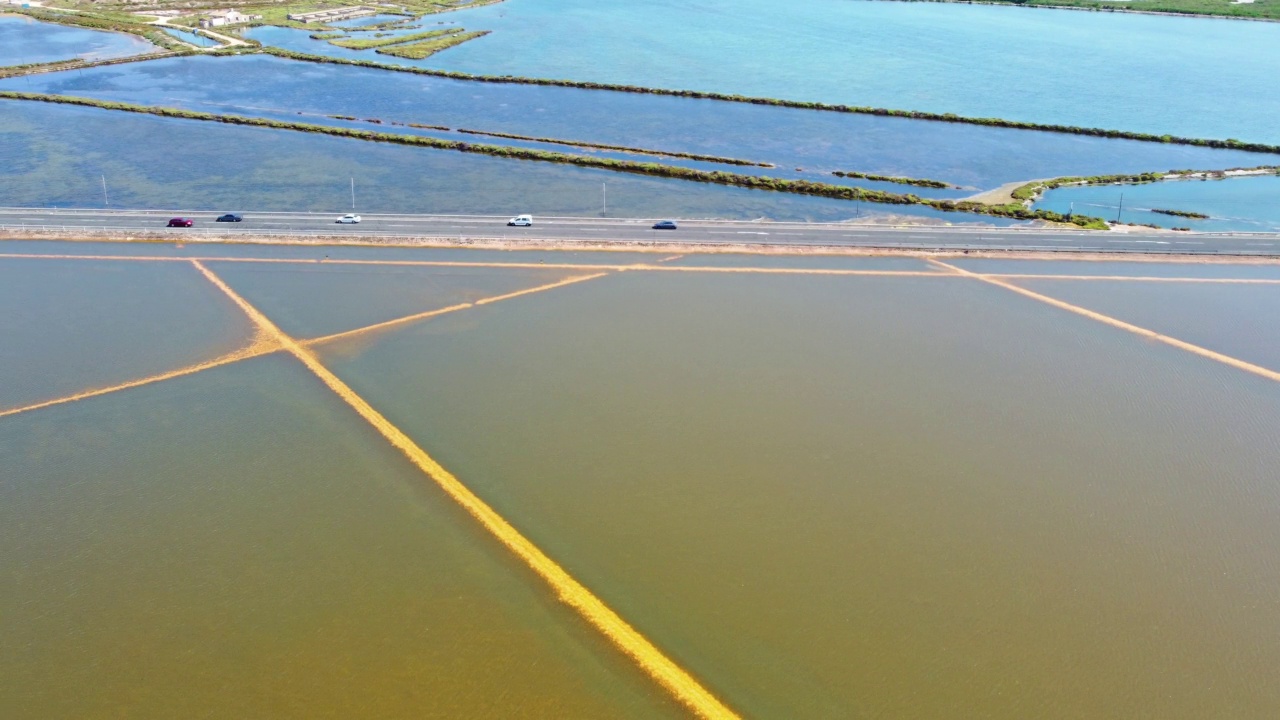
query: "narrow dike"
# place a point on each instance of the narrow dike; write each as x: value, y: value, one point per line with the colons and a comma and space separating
x: 755, y: 182
x: 1229, y: 144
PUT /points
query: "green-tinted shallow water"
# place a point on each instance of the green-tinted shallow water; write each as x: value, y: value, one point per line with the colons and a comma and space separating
x: 824, y: 496
x: 843, y: 497
x: 69, y: 326
x: 240, y: 544
x: 309, y: 301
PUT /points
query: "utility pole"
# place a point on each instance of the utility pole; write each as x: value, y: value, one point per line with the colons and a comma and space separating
x: 105, y: 201
x: 604, y: 198
x: 1121, y: 207
x: 353, y: 194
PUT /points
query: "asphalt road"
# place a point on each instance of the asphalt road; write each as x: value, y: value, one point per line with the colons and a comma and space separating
x: 619, y: 230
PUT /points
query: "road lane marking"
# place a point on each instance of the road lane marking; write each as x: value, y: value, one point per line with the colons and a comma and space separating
x: 675, y: 679
x: 1117, y: 323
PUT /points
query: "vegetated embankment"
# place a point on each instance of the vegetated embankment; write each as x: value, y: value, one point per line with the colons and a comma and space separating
x: 421, y: 50
x: 618, y: 148
x: 365, y: 44
x: 1181, y: 213
x: 755, y: 182
x: 1231, y: 144
x: 918, y: 182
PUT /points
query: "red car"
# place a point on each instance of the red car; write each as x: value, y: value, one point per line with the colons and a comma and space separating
x: 181, y: 222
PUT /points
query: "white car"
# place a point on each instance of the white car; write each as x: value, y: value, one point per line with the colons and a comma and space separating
x: 521, y: 221
x: 348, y: 219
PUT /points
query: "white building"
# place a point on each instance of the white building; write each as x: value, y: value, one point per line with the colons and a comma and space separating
x: 218, y: 18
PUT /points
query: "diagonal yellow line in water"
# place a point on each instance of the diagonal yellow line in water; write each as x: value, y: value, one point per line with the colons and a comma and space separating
x: 1117, y: 323
x: 653, y: 661
x: 262, y: 345
x: 407, y: 319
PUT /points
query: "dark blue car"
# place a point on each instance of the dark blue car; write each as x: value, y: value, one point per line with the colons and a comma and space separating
x: 229, y: 218
x: 665, y: 225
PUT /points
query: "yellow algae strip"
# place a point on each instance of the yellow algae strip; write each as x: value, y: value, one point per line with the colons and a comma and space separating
x: 262, y: 345
x: 445, y: 310
x: 652, y: 660
x: 1117, y: 323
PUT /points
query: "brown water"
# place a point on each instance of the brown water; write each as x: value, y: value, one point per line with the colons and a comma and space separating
x: 824, y: 496
x: 838, y: 497
x: 239, y: 544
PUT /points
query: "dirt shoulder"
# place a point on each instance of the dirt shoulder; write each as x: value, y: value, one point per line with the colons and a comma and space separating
x: 657, y: 248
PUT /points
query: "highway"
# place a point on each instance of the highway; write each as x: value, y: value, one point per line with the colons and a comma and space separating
x: 699, y: 232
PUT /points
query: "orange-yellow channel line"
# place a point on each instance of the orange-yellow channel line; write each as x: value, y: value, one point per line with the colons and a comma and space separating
x: 653, y: 661
x: 1117, y: 323
x: 261, y: 345
x: 444, y: 310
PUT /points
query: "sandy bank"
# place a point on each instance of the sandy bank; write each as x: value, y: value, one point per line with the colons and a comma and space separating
x: 657, y: 248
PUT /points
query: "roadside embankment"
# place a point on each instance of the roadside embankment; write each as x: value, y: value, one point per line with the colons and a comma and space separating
x: 658, y: 248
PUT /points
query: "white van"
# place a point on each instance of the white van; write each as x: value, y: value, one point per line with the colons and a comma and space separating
x: 521, y: 221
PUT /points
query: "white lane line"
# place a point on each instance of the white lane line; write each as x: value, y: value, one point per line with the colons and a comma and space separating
x: 1260, y: 244
x: 1186, y: 242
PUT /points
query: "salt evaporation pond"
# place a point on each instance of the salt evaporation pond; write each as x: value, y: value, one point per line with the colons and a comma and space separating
x: 47, y: 160
x: 1185, y: 76
x: 1236, y: 204
x: 25, y: 41
x: 821, y: 495
x: 970, y: 156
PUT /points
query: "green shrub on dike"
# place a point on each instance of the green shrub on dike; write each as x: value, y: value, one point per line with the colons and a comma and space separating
x: 421, y: 50
x: 362, y: 44
x: 619, y: 148
x: 918, y: 182
x: 801, y: 187
x: 1181, y: 213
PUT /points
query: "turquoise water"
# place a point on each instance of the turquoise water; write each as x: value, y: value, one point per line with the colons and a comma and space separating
x: 1246, y: 204
x: 191, y: 37
x: 1189, y: 76
x: 24, y: 41
x: 966, y: 155
x: 46, y: 159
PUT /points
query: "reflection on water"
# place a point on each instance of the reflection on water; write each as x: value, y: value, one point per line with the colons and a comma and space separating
x: 46, y: 160
x: 238, y: 544
x: 24, y: 41
x: 1090, y: 69
x: 965, y: 155
x: 1240, y: 204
